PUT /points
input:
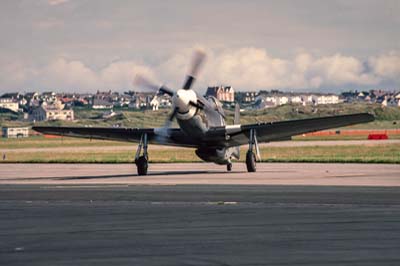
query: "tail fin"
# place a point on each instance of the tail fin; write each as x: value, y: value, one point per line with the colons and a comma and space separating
x: 236, y: 120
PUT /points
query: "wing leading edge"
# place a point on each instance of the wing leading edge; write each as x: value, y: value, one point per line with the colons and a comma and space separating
x: 227, y: 136
x: 282, y: 130
x: 174, y: 136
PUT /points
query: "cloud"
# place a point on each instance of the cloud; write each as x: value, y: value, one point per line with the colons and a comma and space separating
x: 65, y: 74
x: 244, y: 68
x: 338, y: 70
x: 253, y: 68
x: 48, y: 23
x: 386, y: 65
x: 56, y: 2
x: 68, y: 74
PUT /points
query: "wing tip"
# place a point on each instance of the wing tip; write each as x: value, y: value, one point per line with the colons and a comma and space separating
x: 369, y: 117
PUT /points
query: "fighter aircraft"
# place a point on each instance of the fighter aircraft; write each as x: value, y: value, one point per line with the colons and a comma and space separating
x: 202, y: 126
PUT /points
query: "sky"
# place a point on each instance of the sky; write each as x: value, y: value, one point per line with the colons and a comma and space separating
x: 304, y: 45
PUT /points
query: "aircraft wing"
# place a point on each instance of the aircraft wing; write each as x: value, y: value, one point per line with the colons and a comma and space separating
x: 174, y: 136
x: 234, y: 135
x: 225, y: 136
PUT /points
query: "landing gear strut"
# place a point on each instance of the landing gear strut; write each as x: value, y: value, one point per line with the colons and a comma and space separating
x: 141, y: 161
x: 229, y: 167
x: 250, y: 156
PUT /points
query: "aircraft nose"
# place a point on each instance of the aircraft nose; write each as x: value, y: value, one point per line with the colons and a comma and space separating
x: 183, y: 98
x: 180, y: 101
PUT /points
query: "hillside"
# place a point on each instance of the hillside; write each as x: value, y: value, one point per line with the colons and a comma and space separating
x: 388, y: 117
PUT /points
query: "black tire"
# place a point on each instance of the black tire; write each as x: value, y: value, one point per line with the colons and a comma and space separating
x: 229, y: 167
x: 142, y: 165
x: 251, y: 161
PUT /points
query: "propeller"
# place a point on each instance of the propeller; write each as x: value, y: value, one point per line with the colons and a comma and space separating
x: 197, y: 62
x: 168, y: 123
x: 195, y: 67
x: 141, y: 81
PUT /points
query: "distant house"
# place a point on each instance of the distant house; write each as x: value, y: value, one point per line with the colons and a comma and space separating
x: 101, y: 104
x: 223, y: 94
x: 390, y: 102
x: 155, y: 103
x: 15, y: 132
x: 160, y: 102
x: 271, y: 99
x: 246, y: 97
x: 9, y: 103
x: 263, y: 104
x: 33, y: 99
x: 32, y: 96
x: 325, y: 99
x: 55, y: 111
x: 141, y: 100
x: 276, y: 98
x: 48, y: 96
x: 296, y: 99
x: 12, y: 95
x: 307, y: 99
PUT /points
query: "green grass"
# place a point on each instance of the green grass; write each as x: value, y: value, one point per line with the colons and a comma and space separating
x: 42, y: 142
x: 328, y: 154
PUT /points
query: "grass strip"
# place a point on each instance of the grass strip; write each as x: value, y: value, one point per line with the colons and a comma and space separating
x: 320, y: 154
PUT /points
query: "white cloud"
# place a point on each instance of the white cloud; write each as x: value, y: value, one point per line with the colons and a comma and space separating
x: 56, y: 2
x: 62, y: 73
x: 244, y: 68
x: 337, y: 70
x: 252, y: 68
x: 68, y: 74
x: 386, y: 65
x: 122, y: 74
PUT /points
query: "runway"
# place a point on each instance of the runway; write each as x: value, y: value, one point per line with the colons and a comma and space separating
x: 203, y: 174
x: 103, y: 214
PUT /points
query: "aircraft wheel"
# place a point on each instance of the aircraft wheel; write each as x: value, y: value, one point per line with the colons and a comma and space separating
x: 229, y: 167
x: 142, y: 165
x: 251, y: 161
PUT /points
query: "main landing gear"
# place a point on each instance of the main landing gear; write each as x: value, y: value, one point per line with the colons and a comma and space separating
x: 141, y: 161
x: 250, y: 156
x: 229, y: 167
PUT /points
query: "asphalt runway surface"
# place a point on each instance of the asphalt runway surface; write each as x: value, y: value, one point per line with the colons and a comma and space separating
x: 48, y: 221
x: 203, y: 174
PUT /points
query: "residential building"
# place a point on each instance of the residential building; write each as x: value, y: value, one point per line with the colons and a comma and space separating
x: 223, y: 94
x: 48, y: 96
x: 15, y: 132
x: 12, y: 95
x: 32, y: 96
x: 55, y: 111
x: 246, y: 97
x: 276, y: 98
x: 325, y: 99
x: 10, y: 104
x: 160, y: 102
x: 296, y: 99
x: 141, y: 100
x: 102, y: 104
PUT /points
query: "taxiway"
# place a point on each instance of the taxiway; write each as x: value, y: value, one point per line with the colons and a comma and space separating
x: 203, y: 174
x: 197, y: 214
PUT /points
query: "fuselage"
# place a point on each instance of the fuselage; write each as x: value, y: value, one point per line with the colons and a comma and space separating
x: 195, y: 121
